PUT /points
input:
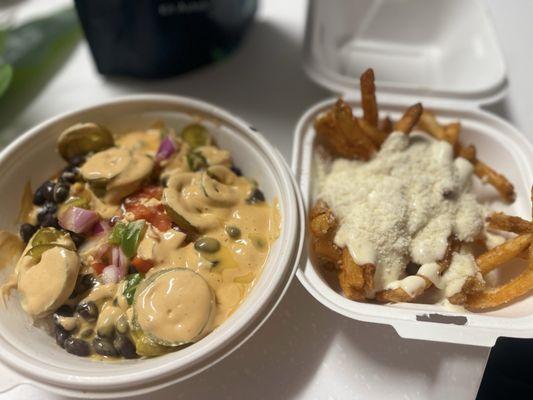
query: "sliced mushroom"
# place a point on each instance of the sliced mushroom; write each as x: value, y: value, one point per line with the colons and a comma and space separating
x: 82, y: 139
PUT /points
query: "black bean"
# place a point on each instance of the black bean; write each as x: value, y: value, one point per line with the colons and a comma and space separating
x: 61, y: 335
x: 64, y: 311
x: 83, y: 284
x: 77, y: 347
x: 46, y: 218
x: 104, y: 347
x: 77, y: 239
x: 257, y: 196
x: 76, y: 161
x: 48, y: 190
x: 38, y: 196
x: 88, y: 310
x: 61, y: 192
x: 125, y: 347
x: 164, y: 181
x: 68, y: 177
x: 51, y: 207
x: 236, y: 170
x: 27, y: 231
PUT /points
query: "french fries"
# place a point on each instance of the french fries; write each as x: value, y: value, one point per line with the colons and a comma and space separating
x: 506, y: 251
x: 409, y: 119
x: 351, y: 278
x: 512, y: 248
x: 508, y: 223
x: 343, y: 134
x: 386, y: 126
x: 399, y: 295
x: 368, y: 98
x: 450, y: 133
x: 322, y: 224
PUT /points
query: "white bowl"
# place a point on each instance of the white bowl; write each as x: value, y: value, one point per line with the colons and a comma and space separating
x: 33, y: 354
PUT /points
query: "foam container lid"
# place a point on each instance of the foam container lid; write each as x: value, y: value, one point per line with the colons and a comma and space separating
x: 446, y: 55
x: 418, y: 48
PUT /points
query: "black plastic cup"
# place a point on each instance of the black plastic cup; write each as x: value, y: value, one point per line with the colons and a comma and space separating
x: 162, y: 38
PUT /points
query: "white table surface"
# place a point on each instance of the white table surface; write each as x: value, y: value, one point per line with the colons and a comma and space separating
x: 295, y: 355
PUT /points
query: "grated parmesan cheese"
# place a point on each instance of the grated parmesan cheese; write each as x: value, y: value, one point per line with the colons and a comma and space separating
x: 402, y: 206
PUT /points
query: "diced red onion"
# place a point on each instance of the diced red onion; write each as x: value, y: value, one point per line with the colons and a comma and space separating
x: 78, y: 220
x: 110, y: 274
x: 100, y: 227
x: 166, y: 149
x: 119, y: 259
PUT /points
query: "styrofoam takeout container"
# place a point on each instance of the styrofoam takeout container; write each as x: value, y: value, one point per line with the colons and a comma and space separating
x: 446, y: 55
x: 32, y: 355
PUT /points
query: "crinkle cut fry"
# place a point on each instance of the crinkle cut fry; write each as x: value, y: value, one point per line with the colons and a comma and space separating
x: 399, y: 295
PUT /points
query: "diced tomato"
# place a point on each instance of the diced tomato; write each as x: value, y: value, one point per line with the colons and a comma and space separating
x: 98, y: 267
x: 141, y: 265
x: 155, y: 215
x: 146, y: 192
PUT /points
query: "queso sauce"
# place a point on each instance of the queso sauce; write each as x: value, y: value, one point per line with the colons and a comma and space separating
x: 156, y: 243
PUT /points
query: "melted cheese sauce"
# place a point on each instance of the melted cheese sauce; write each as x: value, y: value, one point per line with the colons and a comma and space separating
x: 402, y: 206
x: 187, y: 292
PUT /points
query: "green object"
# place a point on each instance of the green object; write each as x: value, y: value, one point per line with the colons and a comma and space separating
x: 6, y: 75
x: 31, y: 48
x: 79, y: 202
x: 128, y: 236
x: 46, y: 236
x: 196, y: 161
x: 207, y: 245
x: 146, y: 347
x: 233, y: 232
x: 132, y: 281
x: 117, y: 233
x: 196, y: 135
x: 83, y: 138
x: 132, y: 237
x: 37, y: 251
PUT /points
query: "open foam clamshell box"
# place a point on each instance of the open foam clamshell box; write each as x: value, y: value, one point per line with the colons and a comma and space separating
x: 446, y: 55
